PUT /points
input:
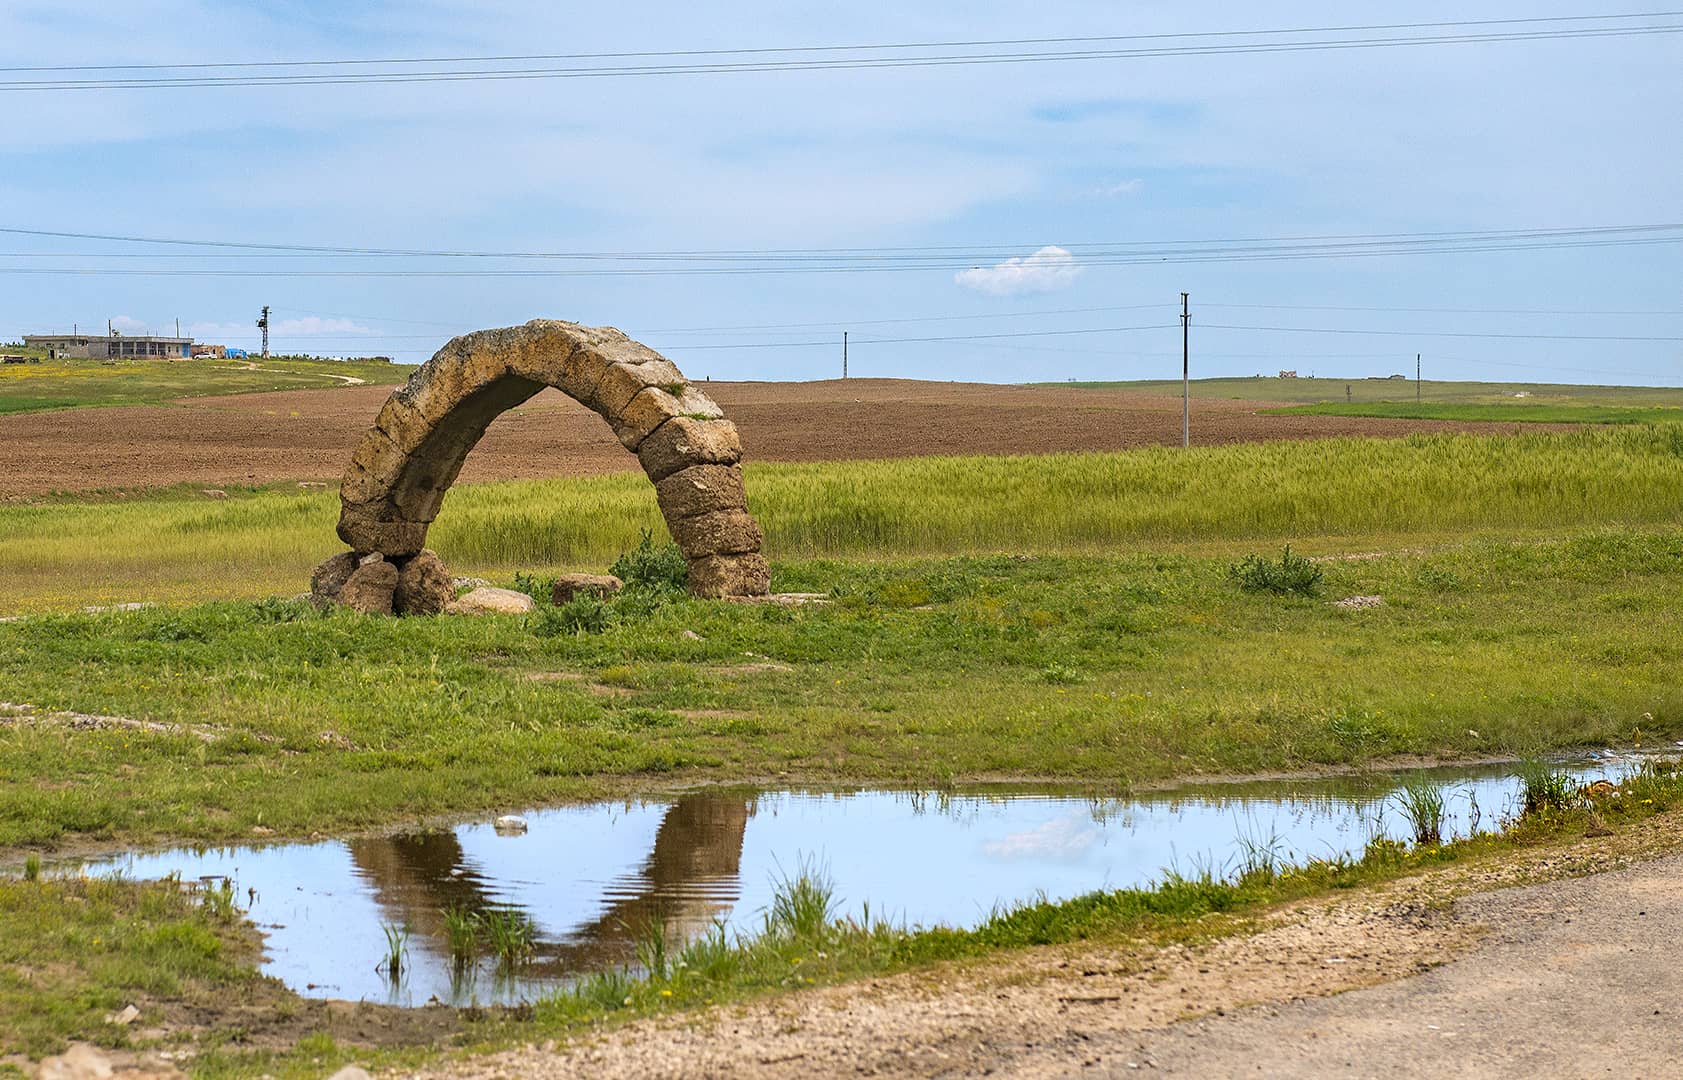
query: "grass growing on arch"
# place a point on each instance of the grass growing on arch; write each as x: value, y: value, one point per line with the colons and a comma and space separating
x: 179, y: 546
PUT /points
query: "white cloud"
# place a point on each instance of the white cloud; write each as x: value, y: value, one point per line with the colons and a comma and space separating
x: 1125, y: 187
x: 1047, y: 270
x: 1061, y: 838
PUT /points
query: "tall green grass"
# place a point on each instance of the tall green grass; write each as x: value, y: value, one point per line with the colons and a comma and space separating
x: 165, y: 547
x: 1497, y: 413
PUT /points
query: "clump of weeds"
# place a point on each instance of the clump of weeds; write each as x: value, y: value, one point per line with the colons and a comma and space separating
x: 461, y: 934
x: 219, y: 901
x: 1290, y: 573
x: 1544, y: 789
x: 397, y: 950
x: 651, y: 566
x: 1422, y: 802
x: 509, y: 935
x: 585, y: 613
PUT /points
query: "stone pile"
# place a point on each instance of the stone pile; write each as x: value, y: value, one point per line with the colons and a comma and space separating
x: 417, y: 584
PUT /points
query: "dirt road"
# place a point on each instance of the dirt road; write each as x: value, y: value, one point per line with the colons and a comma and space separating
x: 1576, y: 978
x: 1464, y: 972
x: 309, y: 434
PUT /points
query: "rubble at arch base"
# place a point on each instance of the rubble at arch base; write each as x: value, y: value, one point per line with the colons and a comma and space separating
x: 406, y: 462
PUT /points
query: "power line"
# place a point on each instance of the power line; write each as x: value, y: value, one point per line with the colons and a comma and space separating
x: 1439, y: 333
x: 741, y: 267
x: 902, y: 340
x: 886, y: 58
x: 1089, y: 39
x: 1445, y: 310
x: 958, y: 252
x: 885, y: 322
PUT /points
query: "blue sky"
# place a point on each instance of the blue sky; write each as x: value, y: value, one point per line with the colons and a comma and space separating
x: 1028, y: 159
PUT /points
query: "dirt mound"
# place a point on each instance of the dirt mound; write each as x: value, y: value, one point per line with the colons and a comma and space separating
x: 309, y: 434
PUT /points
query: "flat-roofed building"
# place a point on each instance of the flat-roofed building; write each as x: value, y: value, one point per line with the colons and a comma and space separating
x: 113, y: 347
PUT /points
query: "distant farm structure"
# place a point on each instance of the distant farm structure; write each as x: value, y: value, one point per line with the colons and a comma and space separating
x: 109, y: 346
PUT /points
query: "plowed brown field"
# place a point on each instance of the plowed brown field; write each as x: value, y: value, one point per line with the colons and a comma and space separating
x: 309, y: 434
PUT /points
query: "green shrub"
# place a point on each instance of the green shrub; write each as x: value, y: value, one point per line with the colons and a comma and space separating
x: 649, y: 567
x: 585, y: 613
x: 540, y: 588
x: 1288, y: 574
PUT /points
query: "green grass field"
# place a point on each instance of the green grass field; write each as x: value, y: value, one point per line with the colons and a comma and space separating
x: 181, y: 547
x: 1510, y: 413
x: 1365, y: 391
x: 1072, y: 617
x: 1103, y: 670
x: 65, y: 384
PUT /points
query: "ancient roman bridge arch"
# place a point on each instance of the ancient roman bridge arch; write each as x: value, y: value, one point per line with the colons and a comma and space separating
x: 407, y: 461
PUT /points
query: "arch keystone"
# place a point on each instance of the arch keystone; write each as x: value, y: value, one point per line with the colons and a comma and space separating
x: 405, y: 463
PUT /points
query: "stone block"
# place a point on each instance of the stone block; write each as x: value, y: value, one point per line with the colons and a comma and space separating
x: 568, y: 586
x: 327, y: 579
x: 424, y: 585
x: 730, y: 575
x: 369, y: 589
x: 622, y: 382
x: 701, y: 489
x: 390, y: 537
x: 683, y: 441
x: 723, y: 532
x: 653, y: 406
x: 489, y: 601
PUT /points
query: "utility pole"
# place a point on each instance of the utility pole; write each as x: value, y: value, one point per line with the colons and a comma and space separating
x: 1417, y: 378
x: 1185, y: 374
x: 263, y: 325
x: 844, y: 354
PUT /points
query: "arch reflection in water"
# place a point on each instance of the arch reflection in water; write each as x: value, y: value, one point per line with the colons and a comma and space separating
x: 589, y: 877
x: 690, y: 878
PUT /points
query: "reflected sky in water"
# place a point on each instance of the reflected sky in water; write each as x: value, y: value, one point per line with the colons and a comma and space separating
x: 588, y: 876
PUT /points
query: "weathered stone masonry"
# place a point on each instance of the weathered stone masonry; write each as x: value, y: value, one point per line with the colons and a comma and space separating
x: 407, y: 461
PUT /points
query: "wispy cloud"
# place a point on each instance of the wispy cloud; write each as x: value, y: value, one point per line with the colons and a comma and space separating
x: 1061, y: 838
x: 1047, y: 270
x: 1124, y: 187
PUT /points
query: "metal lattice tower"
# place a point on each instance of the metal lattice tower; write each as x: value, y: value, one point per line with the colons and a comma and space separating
x: 263, y: 325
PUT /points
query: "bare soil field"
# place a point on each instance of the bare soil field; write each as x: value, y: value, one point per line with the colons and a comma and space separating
x: 309, y: 434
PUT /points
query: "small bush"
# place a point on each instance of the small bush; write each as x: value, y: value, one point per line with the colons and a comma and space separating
x: 276, y: 609
x: 1288, y: 574
x: 1438, y: 579
x: 585, y: 613
x: 647, y: 566
x: 540, y: 588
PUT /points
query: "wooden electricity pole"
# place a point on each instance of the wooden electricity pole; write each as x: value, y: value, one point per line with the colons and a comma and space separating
x: 1417, y: 378
x: 844, y: 354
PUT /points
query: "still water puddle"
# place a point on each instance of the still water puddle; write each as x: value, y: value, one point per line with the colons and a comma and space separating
x: 588, y: 876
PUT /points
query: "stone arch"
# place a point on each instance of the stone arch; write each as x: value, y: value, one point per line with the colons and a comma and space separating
x: 407, y: 461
